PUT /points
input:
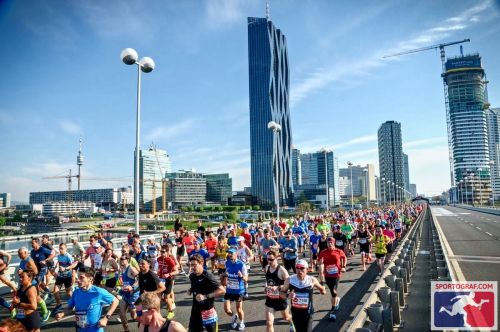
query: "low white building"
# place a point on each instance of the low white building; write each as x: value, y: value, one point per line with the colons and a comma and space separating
x: 61, y: 208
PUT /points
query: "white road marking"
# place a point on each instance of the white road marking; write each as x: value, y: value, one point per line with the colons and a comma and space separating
x: 458, y: 274
x: 478, y: 228
x: 489, y: 233
x: 489, y: 258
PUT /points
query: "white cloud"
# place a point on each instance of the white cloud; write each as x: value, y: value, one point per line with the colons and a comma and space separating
x: 425, y: 141
x: 222, y: 13
x: 70, y: 127
x: 354, y: 141
x: 354, y: 69
x: 169, y: 132
x: 367, y: 152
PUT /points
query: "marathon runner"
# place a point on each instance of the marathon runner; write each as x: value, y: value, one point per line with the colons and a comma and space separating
x: 148, y: 280
x: 245, y: 255
x: 364, y: 237
x: 88, y: 300
x: 380, y: 242
x: 341, y: 241
x: 288, y: 246
x: 210, y: 245
x: 236, y: 277
x: 129, y: 291
x: 40, y: 256
x: 332, y: 263
x: 153, y: 251
x: 181, y: 249
x: 347, y: 229
x: 64, y: 267
x: 266, y: 244
x: 204, y: 288
x: 198, y: 250
x: 167, y: 269
x: 275, y: 278
x: 5, y: 259
x: 299, y: 288
x: 299, y: 232
x: 25, y: 302
x: 314, y: 244
x: 221, y: 254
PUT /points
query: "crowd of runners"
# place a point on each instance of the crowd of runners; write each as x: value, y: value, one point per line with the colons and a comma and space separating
x: 296, y: 256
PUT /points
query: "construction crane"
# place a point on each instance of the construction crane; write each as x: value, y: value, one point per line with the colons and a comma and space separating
x: 69, y: 177
x: 445, y: 89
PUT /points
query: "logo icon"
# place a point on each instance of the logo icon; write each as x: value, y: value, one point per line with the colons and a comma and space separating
x: 466, y: 305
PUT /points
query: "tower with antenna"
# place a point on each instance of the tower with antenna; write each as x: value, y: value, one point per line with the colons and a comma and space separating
x: 79, y: 162
x: 268, y: 10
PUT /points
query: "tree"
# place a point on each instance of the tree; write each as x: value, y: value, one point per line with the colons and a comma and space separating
x: 256, y: 208
x: 234, y: 216
x: 304, y: 207
x: 302, y: 198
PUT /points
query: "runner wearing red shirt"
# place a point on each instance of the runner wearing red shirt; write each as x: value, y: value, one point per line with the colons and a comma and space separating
x: 332, y: 263
x: 167, y: 269
x: 188, y: 240
x: 210, y: 245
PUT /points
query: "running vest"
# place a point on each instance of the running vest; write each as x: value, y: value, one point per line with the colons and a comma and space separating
x: 235, y: 284
x: 272, y: 280
x: 129, y: 281
x: 363, y: 238
x: 23, y: 298
x: 242, y: 255
x: 220, y: 257
x: 303, y: 300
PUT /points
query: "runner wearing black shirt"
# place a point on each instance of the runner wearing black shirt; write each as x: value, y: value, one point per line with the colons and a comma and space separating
x: 204, y: 287
x: 148, y: 280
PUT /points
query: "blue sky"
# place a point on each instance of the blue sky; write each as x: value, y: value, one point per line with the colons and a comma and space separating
x: 62, y: 78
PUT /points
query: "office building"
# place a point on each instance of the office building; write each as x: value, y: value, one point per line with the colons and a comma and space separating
x: 466, y: 83
x: 493, y: 117
x: 390, y: 156
x: 108, y: 196
x: 406, y: 170
x: 4, y: 200
x: 320, y: 168
x: 269, y: 82
x: 413, y: 190
x: 363, y: 181
x: 219, y: 188
x: 153, y: 164
x: 296, y: 168
x: 186, y: 188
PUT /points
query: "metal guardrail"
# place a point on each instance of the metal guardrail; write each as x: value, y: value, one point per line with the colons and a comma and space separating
x: 55, y: 234
x: 392, y: 285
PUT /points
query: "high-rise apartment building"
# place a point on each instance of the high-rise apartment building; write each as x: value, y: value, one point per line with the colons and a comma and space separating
x: 153, y: 164
x: 413, y: 190
x: 296, y: 168
x: 493, y: 117
x: 269, y: 82
x: 390, y: 156
x: 5, y: 200
x: 465, y: 81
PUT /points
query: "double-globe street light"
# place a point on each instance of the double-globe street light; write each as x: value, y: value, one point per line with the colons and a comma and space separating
x: 129, y: 56
x: 276, y: 128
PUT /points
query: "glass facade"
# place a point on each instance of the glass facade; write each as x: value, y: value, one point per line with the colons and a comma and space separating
x: 271, y: 164
x: 494, y: 149
x: 219, y: 188
x: 406, y: 169
x: 296, y: 168
x: 390, y: 156
x: 153, y: 164
x: 186, y: 188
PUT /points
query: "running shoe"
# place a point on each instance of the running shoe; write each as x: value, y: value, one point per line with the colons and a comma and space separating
x: 292, y: 328
x: 118, y: 319
x: 332, y: 316
x: 45, y: 296
x: 234, y: 321
x: 170, y: 315
x: 241, y: 327
x: 13, y: 313
x: 46, y: 316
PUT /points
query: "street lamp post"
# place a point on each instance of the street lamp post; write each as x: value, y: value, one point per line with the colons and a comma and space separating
x: 378, y: 186
x: 129, y: 56
x: 472, y: 188
x: 276, y: 128
x: 492, y: 183
x: 462, y: 191
x: 326, y: 182
x: 389, y: 189
x: 385, y: 190
x: 349, y: 164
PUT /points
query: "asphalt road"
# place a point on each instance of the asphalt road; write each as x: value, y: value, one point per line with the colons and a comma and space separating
x: 474, y: 238
x: 353, y: 286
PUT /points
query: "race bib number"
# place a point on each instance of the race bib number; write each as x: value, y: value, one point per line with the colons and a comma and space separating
x: 209, y: 316
x: 20, y: 313
x: 339, y: 243
x: 221, y: 263
x: 273, y: 292
x: 81, y: 319
x: 362, y: 241
x: 232, y: 284
x: 300, y: 301
x: 332, y: 270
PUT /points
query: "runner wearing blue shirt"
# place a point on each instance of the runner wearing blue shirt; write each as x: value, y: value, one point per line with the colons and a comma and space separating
x: 236, y: 276
x: 64, y: 267
x: 200, y: 251
x: 41, y: 255
x: 87, y: 300
x: 299, y: 233
x: 314, y: 242
x: 288, y: 246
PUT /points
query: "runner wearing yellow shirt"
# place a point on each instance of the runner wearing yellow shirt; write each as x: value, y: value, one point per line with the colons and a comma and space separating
x: 380, y: 241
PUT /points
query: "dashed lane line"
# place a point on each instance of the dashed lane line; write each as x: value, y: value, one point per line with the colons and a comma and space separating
x: 489, y: 234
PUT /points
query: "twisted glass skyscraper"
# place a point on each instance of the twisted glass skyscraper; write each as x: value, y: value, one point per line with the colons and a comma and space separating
x: 269, y: 84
